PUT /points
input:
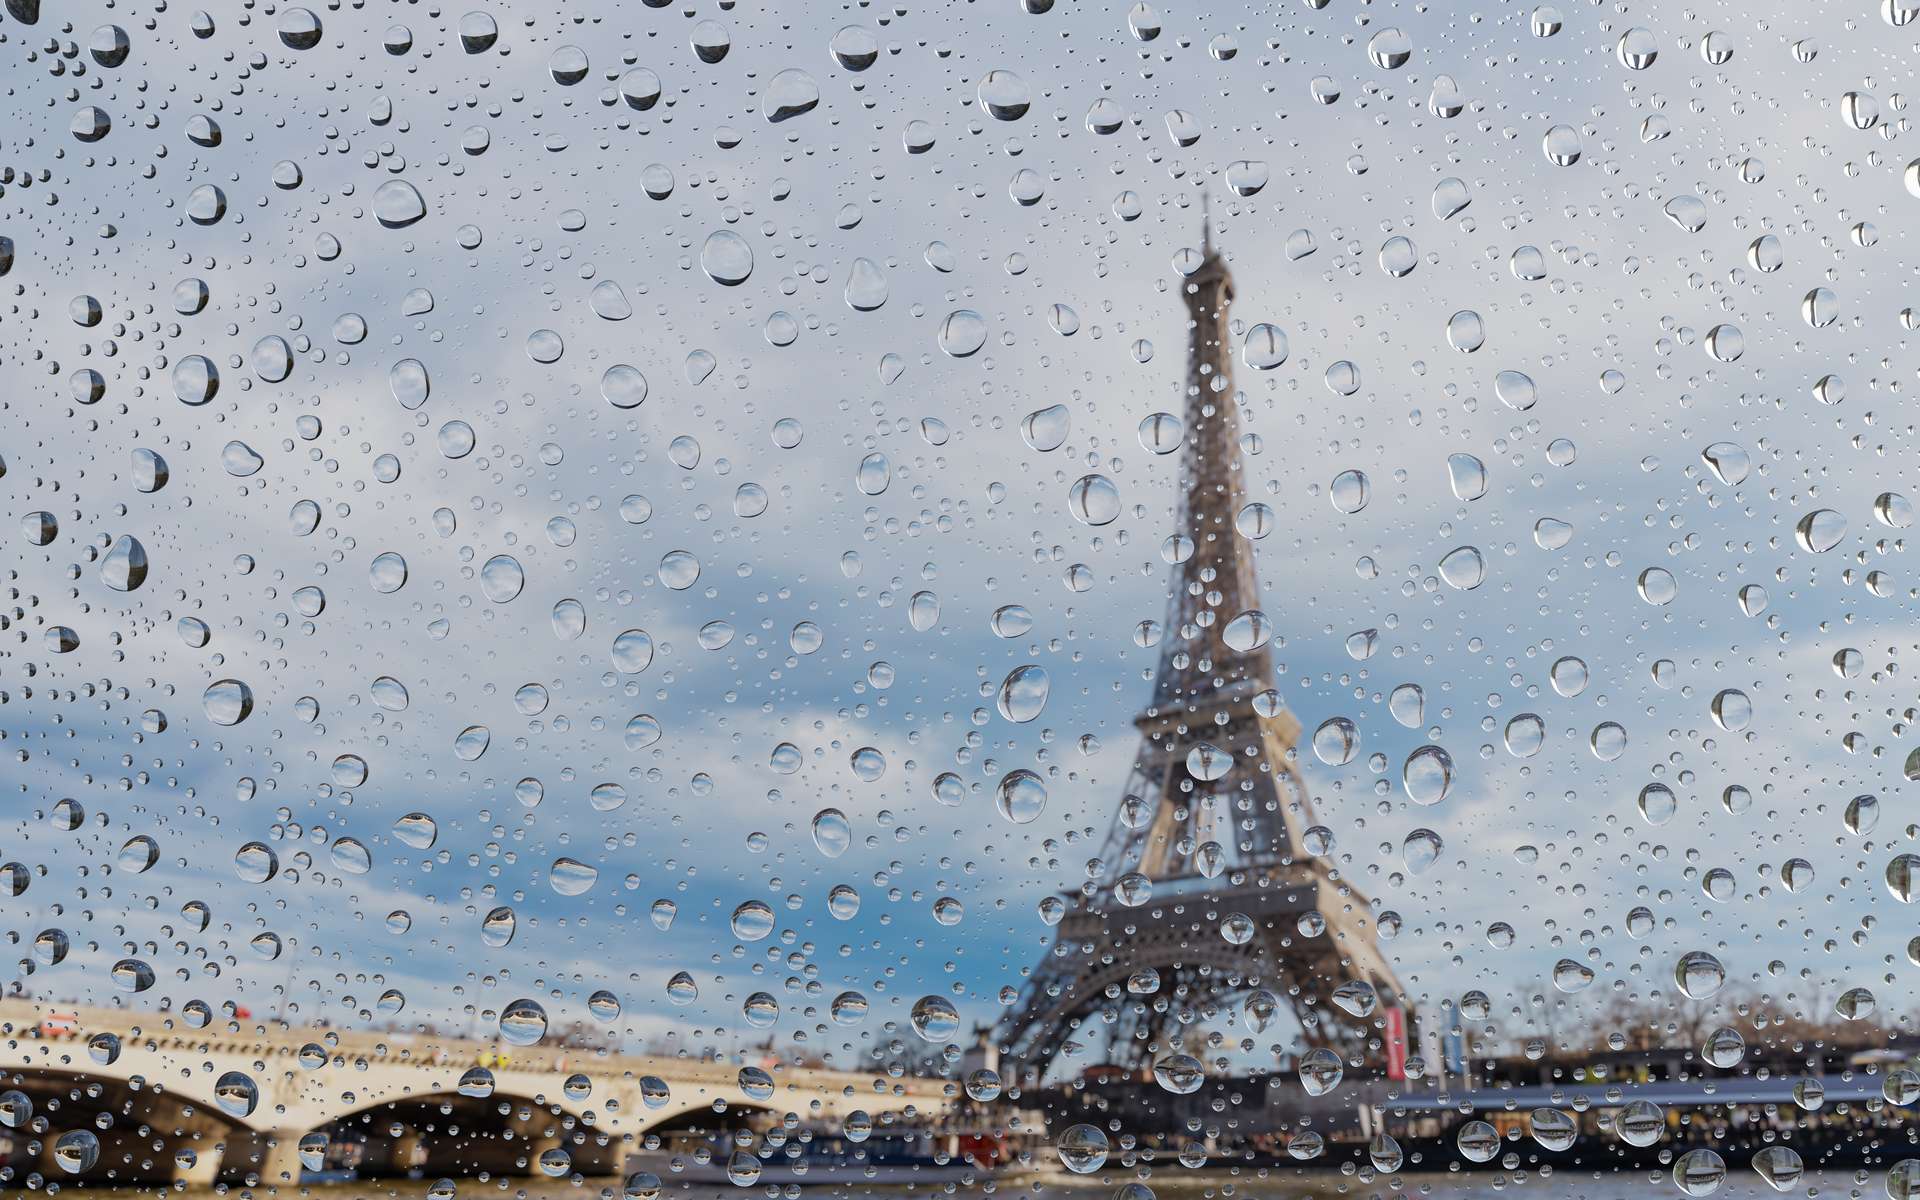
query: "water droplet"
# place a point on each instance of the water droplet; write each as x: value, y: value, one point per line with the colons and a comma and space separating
x: 1463, y: 568
x: 710, y: 41
x: 1264, y: 348
x: 1045, y: 429
x: 726, y: 258
x: 1420, y: 850
x: 1561, y: 144
x: 1699, y: 1172
x: 195, y: 379
x: 228, y: 701
x: 832, y: 833
x: 76, y: 1151
x: 570, y: 877
x: 1779, y: 1166
x: 1003, y: 95
x: 387, y: 572
x: 299, y: 29
x: 1094, y: 500
x: 397, y: 204
x: 1389, y: 49
x: 935, y: 1019
x: 125, y: 566
x: 752, y: 920
x: 1820, y: 530
x: 632, y: 651
x: 1246, y: 177
x: 523, y: 1022
x: 1515, y: 390
x: 1349, y: 491
x: 1428, y: 775
x: 1467, y: 476
x: 1320, y: 1071
x: 1699, y: 974
x: 1862, y: 814
x: 1020, y: 796
x: 866, y: 288
x: 1336, y: 741
x: 501, y: 578
x: 1023, y: 693
x: 1637, y: 49
x: 855, y: 48
x: 789, y: 94
x: 1082, y: 1149
x: 1656, y: 586
x: 962, y: 333
x: 1247, y: 632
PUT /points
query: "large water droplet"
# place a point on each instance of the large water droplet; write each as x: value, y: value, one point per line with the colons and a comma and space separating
x: 228, y: 701
x: 1428, y: 775
x: 125, y: 566
x: 397, y: 204
x: 1023, y: 693
x: 790, y: 93
x: 726, y: 258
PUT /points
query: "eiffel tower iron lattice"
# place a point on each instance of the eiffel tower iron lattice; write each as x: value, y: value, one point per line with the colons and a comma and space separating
x: 1207, y: 895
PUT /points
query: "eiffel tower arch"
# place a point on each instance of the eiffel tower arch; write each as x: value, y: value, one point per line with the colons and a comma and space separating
x: 1209, y: 893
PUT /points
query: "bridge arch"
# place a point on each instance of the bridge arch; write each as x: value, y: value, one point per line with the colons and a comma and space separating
x: 143, y: 1132
x: 448, y: 1132
x: 189, y: 1087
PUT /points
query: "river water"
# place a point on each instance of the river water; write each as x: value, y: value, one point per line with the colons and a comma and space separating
x: 1175, y: 1185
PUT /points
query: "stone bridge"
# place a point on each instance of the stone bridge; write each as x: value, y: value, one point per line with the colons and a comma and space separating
x: 233, y: 1101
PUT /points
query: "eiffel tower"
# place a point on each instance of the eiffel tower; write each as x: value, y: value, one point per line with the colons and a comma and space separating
x: 1208, y: 896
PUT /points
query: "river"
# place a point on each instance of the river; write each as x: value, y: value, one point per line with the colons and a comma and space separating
x: 1167, y: 1185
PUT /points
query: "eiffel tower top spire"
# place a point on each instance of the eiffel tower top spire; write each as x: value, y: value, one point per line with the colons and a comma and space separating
x: 1216, y: 589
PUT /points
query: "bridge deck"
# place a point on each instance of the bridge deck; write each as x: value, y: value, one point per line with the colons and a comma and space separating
x: 1692, y: 1093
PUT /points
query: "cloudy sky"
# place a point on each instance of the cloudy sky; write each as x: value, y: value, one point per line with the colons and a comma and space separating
x: 527, y: 343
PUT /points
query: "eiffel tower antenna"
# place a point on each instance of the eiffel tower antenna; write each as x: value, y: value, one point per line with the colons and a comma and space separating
x: 1206, y: 224
x: 1210, y: 890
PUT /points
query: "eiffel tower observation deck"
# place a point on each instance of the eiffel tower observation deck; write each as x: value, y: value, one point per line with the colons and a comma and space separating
x: 1209, y: 898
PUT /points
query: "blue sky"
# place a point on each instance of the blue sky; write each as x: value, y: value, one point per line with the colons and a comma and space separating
x: 517, y: 238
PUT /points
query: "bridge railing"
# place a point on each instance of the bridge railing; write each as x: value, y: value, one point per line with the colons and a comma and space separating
x: 159, y: 1031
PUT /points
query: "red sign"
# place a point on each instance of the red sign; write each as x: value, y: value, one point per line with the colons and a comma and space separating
x: 1396, y: 1043
x: 56, y: 1024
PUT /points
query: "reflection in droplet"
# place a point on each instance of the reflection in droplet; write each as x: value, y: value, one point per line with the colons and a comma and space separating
x: 1023, y: 693
x: 962, y: 333
x: 789, y: 94
x: 228, y: 701
x: 1428, y: 775
x: 1336, y: 741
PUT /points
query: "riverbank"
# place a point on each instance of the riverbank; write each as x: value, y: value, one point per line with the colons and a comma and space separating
x: 1166, y: 1183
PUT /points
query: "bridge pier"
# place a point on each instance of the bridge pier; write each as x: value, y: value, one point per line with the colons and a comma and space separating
x: 272, y: 1158
x: 203, y: 1171
x: 205, y: 1140
x: 596, y: 1161
x: 505, y: 1153
x: 539, y: 1144
x: 586, y: 1155
x: 408, y: 1151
